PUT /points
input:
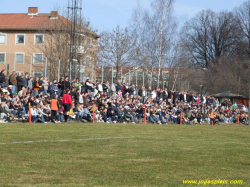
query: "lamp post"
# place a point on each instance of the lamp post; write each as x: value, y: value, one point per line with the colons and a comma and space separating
x: 70, y: 68
x: 200, y: 98
x: 201, y: 89
x: 102, y: 72
x: 82, y: 70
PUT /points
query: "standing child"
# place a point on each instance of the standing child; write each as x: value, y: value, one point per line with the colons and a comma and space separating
x: 54, y: 108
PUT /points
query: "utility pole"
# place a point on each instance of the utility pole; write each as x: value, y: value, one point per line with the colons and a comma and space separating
x: 74, y: 15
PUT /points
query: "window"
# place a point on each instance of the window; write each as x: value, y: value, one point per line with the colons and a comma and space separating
x: 20, y: 38
x: 87, y: 61
x: 19, y: 58
x: 165, y: 74
x: 177, y: 75
x: 2, y: 57
x: 38, y: 58
x: 89, y: 42
x: 2, y: 38
x: 39, y: 38
x: 37, y: 74
x: 79, y: 38
x: 82, y: 40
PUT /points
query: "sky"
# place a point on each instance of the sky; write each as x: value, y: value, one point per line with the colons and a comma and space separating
x: 107, y: 14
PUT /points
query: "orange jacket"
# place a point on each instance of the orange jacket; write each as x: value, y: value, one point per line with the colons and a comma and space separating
x: 54, y: 104
x: 212, y: 115
x: 36, y: 86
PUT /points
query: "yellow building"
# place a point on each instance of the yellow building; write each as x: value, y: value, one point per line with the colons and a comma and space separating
x: 30, y: 42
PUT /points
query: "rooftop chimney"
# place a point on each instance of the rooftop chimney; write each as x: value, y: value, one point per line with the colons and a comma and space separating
x: 33, y: 11
x: 54, y: 15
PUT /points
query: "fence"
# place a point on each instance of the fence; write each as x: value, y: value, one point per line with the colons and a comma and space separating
x: 170, y: 78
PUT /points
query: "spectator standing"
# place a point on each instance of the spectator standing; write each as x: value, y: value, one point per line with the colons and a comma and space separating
x: 77, y: 84
x: 104, y: 87
x: 45, y: 86
x: 100, y: 87
x: 88, y: 85
x: 2, y: 78
x: 13, y: 81
x: 26, y: 80
x: 41, y: 84
x: 30, y: 83
x: 66, y: 83
x: 61, y: 87
x: 113, y: 87
x: 19, y: 79
x: 36, y: 87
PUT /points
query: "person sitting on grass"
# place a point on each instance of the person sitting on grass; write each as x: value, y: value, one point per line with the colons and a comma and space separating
x: 79, y: 109
x: 86, y: 114
x: 186, y: 121
x: 44, y: 115
x: 5, y: 116
x: 104, y: 114
x: 243, y: 119
x: 163, y: 116
x: 35, y: 115
x: 216, y: 119
x: 139, y: 112
x: 120, y: 114
x: 10, y: 108
x: 193, y: 119
x: 153, y: 117
x: 128, y: 114
x: 112, y: 116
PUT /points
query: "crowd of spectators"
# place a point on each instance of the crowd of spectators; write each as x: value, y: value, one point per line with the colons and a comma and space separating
x: 75, y: 100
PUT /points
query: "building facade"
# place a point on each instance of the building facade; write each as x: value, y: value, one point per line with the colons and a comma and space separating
x: 40, y: 43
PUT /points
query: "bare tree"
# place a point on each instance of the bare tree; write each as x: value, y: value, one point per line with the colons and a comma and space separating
x: 210, y: 35
x: 156, y: 33
x: 242, y: 14
x: 116, y: 48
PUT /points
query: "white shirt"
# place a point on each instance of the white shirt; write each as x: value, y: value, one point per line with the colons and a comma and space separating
x: 153, y: 94
x: 100, y: 88
x: 34, y: 112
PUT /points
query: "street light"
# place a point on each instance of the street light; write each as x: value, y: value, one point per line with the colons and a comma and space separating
x: 201, y: 89
x: 82, y: 70
x: 70, y: 68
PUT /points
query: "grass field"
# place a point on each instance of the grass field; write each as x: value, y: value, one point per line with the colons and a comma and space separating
x: 78, y: 154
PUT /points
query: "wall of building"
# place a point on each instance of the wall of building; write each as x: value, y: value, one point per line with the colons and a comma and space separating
x: 28, y: 49
x: 12, y: 49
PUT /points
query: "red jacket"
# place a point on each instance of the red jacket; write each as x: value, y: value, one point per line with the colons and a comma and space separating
x: 67, y: 99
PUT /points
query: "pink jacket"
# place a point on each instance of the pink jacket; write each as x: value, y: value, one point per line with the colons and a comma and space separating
x: 67, y: 99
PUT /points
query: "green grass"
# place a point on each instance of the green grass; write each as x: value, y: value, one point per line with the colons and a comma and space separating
x: 122, y: 154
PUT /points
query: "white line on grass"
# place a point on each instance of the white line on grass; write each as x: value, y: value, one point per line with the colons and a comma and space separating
x: 87, y: 139
x: 210, y: 141
x: 122, y: 137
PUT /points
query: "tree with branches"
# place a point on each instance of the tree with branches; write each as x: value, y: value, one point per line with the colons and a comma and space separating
x: 116, y: 48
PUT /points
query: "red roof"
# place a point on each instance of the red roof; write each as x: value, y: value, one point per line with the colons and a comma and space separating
x: 34, y: 22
